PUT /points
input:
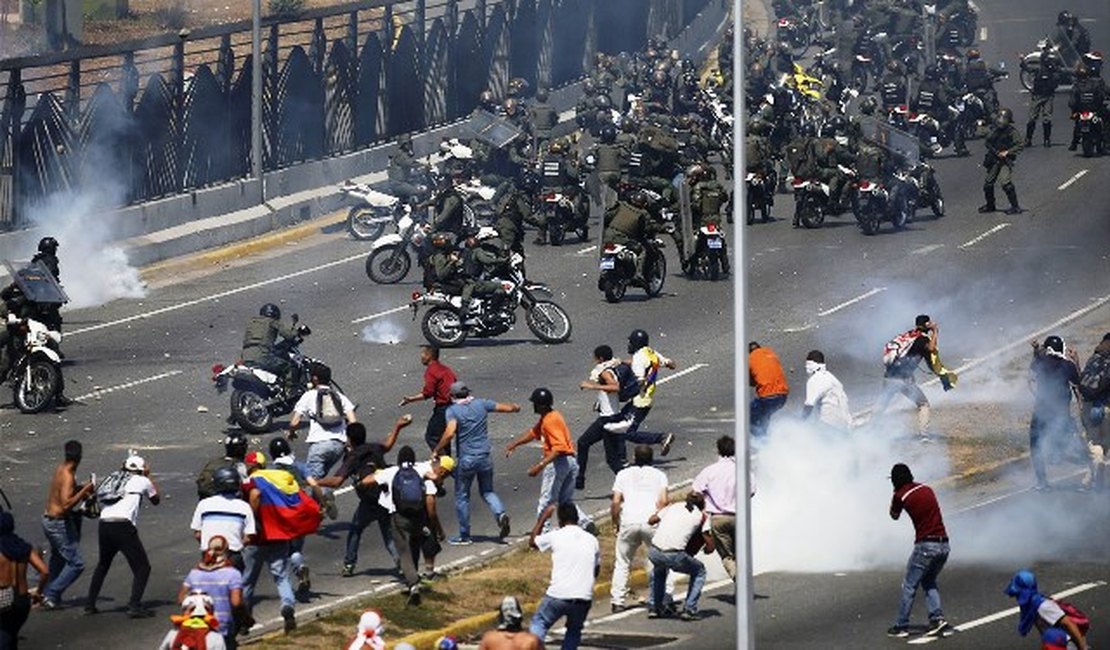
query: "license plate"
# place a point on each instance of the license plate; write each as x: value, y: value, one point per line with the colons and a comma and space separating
x: 714, y: 243
x: 608, y: 264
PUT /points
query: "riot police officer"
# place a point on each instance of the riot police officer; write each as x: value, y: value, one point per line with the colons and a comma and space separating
x: 1069, y: 26
x: 707, y: 197
x: 892, y: 87
x: 1089, y: 93
x: 934, y: 97
x: 979, y: 79
x: 48, y: 255
x: 1003, y: 144
x: 403, y: 166
x: 1041, y: 98
x: 544, y: 118
x: 260, y: 340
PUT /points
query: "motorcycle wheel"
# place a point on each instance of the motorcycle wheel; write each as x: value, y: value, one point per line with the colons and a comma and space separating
x: 937, y: 204
x: 714, y: 264
x: 249, y: 413
x: 384, y: 269
x: 1026, y: 78
x: 868, y: 224
x: 656, y: 276
x: 441, y: 327
x: 812, y: 218
x: 614, y: 290
x: 583, y: 233
x: 903, y: 212
x: 39, y: 393
x: 1088, y: 145
x: 361, y: 229
x: 556, y: 233
x: 549, y: 322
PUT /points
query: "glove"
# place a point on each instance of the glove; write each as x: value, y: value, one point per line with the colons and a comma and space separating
x: 303, y: 330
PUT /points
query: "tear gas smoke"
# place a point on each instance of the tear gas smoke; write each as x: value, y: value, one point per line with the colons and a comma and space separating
x: 383, y: 331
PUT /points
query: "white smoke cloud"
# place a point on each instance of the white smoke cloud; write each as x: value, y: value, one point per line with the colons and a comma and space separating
x: 383, y: 331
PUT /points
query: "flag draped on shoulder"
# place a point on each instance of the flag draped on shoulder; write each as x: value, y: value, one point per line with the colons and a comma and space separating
x: 285, y: 510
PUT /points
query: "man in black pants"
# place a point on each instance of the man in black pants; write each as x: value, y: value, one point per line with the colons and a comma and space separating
x: 118, y: 534
x: 438, y: 378
x: 603, y: 379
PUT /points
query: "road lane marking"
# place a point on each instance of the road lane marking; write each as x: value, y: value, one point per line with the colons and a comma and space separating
x: 925, y: 250
x: 849, y: 303
x: 997, y: 616
x: 678, y: 597
x: 215, y: 296
x: 130, y: 384
x: 1078, y: 175
x: 586, y: 250
x: 982, y: 34
x: 379, y: 314
x: 969, y: 244
x: 794, y: 330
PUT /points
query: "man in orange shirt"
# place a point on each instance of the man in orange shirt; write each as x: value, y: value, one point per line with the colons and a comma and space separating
x: 766, y: 375
x: 559, y: 465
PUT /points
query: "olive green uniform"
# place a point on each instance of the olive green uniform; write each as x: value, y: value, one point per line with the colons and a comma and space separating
x: 259, y: 338
x: 1000, y: 169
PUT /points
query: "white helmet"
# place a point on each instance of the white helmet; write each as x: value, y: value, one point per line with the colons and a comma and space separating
x: 197, y: 604
x: 134, y: 463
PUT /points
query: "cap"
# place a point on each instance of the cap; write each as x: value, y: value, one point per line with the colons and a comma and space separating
x: 459, y: 390
x: 922, y: 320
x: 255, y: 458
x: 447, y: 463
x: 1054, y: 638
x: 134, y: 463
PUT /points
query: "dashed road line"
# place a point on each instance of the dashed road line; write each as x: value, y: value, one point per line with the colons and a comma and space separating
x: 982, y: 34
x: 1068, y: 183
x: 683, y: 373
x: 379, y: 314
x: 849, y: 303
x: 925, y: 250
x: 130, y: 384
x: 586, y: 250
x: 976, y: 240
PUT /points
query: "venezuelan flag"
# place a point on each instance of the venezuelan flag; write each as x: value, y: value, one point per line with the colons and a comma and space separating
x: 285, y: 511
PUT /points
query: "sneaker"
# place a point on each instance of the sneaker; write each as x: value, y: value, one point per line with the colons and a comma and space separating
x: 617, y: 608
x: 290, y: 618
x: 898, y: 631
x: 330, y: 508
x: 655, y: 613
x: 459, y: 540
x: 579, y: 484
x: 1042, y: 487
x: 348, y: 571
x: 414, y: 595
x: 50, y: 605
x: 687, y: 615
x: 304, y: 582
x: 139, y: 612
x: 503, y: 525
x: 430, y: 575
x: 91, y: 610
x: 667, y: 442
x: 937, y: 627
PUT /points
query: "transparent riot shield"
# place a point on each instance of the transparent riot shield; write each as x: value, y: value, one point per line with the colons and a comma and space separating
x: 36, y: 282
x: 685, y: 218
x: 491, y: 129
x: 902, y: 146
x: 1069, y: 56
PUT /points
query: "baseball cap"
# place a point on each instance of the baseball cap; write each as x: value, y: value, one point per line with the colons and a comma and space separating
x: 459, y: 390
x: 255, y: 458
x: 447, y: 463
x: 1054, y: 639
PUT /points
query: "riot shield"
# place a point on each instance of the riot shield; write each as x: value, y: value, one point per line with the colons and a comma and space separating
x: 903, y: 146
x: 1068, y: 54
x: 36, y: 282
x: 685, y: 218
x: 491, y: 129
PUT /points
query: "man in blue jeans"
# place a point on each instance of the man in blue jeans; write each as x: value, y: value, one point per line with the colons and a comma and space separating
x: 327, y: 439
x: 930, y: 550
x: 671, y: 549
x: 467, y: 424
x: 61, y: 522
x: 575, y: 563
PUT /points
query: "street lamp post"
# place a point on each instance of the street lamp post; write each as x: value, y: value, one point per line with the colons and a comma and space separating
x: 256, y: 98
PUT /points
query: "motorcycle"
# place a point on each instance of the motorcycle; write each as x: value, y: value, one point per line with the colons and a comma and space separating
x: 35, y: 372
x: 373, y: 211
x: 813, y: 200
x: 976, y: 117
x: 1031, y: 64
x: 562, y: 216
x: 618, y: 270
x: 708, y: 260
x: 258, y: 396
x: 961, y: 27
x: 443, y: 325
x: 761, y: 195
x: 796, y: 32
x: 1090, y: 133
x: 390, y: 256
x: 878, y: 202
x: 921, y: 182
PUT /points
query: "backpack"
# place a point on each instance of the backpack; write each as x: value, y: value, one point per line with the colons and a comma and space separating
x: 711, y: 197
x: 408, y: 491
x: 1081, y: 620
x: 1094, y: 381
x: 113, y: 488
x: 329, y: 413
x: 898, y: 347
x: 626, y: 379
x: 206, y: 486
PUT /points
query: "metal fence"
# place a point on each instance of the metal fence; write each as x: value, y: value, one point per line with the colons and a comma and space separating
x: 173, y: 113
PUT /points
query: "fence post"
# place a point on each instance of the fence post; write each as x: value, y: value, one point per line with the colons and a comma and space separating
x: 352, y: 34
x: 270, y: 81
x: 225, y: 63
x: 73, y: 91
x: 419, y: 14
x: 14, y: 105
x: 480, y: 10
x: 317, y: 51
x: 129, y: 90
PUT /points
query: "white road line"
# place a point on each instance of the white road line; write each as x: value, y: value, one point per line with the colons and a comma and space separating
x: 380, y: 314
x: 969, y: 244
x: 849, y: 303
x: 678, y: 597
x: 1078, y: 175
x: 586, y: 250
x: 925, y: 250
x: 982, y: 34
x: 215, y: 296
x: 682, y: 373
x: 794, y: 330
x: 130, y: 384
x: 997, y: 616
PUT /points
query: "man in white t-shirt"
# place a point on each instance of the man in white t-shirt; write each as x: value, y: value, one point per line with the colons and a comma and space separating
x: 327, y: 441
x: 603, y: 379
x: 638, y: 491
x: 575, y: 562
x: 671, y: 550
x: 825, y: 393
x: 225, y: 514
x: 118, y: 534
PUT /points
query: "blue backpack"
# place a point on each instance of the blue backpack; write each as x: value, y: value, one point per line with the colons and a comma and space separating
x: 408, y: 491
x: 627, y: 381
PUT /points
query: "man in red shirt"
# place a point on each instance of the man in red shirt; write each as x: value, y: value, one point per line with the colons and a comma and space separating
x: 437, y: 385
x: 930, y: 550
x: 765, y: 374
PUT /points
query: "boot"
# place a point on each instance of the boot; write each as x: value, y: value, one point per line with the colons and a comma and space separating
x: 541, y: 238
x: 1047, y: 134
x: 1011, y: 196
x: 1029, y: 129
x: 988, y: 207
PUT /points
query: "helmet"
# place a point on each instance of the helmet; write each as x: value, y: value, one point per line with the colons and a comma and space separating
x: 608, y: 134
x: 518, y: 86
x: 589, y: 86
x: 695, y: 172
x: 447, y: 643
x: 235, y: 444
x: 558, y: 147
x: 280, y: 447
x: 404, y: 140
x: 638, y: 198
x: 440, y: 240
x: 1081, y: 71
x: 636, y: 340
x: 487, y: 100
x: 659, y: 78
x: 809, y: 130
x: 1054, y: 343
x: 541, y: 95
x: 838, y: 124
x: 542, y: 397
x: 1093, y: 61
x: 1005, y: 116
x: 270, y: 310
x: 602, y: 102
x: 48, y: 245
x: 932, y: 72
x: 510, y: 106
x: 226, y: 479
x: 973, y: 54
x: 1063, y: 18
x: 134, y: 463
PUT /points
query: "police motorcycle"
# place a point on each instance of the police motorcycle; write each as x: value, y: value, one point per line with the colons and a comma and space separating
x: 372, y: 211
x: 813, y: 199
x: 391, y: 256
x: 1060, y: 50
x: 867, y: 59
x: 559, y: 207
x: 920, y: 180
x: 761, y: 194
x: 35, y: 368
x: 707, y: 260
x: 878, y: 201
x: 618, y: 270
x: 1090, y: 133
x: 444, y: 326
x: 258, y: 396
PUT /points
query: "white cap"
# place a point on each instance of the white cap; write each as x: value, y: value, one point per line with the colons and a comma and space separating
x: 134, y: 463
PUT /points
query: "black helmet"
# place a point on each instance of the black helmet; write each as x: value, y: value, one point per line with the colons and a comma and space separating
x: 1054, y: 343
x: 235, y: 445
x: 608, y: 133
x: 270, y: 310
x: 48, y: 245
x: 226, y: 479
x: 280, y: 447
x: 541, y: 95
x: 809, y: 130
x: 1063, y: 18
x: 487, y: 100
x: 404, y: 139
x: 441, y: 240
x: 542, y: 397
x: 932, y: 72
x: 638, y: 198
x: 1005, y: 116
x: 973, y: 54
x: 636, y: 340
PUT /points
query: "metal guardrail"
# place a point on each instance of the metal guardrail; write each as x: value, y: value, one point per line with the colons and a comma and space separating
x: 172, y: 113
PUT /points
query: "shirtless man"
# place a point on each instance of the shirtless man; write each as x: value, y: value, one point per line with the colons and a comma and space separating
x: 509, y: 634
x: 62, y: 525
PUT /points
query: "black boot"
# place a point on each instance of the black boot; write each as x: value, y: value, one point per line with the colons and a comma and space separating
x: 1047, y: 134
x: 988, y: 193
x: 1011, y: 196
x: 1030, y: 128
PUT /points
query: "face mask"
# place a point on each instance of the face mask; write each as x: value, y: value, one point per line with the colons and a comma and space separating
x: 812, y: 367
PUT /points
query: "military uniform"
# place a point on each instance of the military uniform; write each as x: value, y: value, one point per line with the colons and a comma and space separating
x: 1000, y: 168
x: 544, y: 118
x: 1040, y: 100
x: 707, y: 197
x: 449, y: 213
x: 402, y: 167
x: 259, y: 338
x: 1087, y: 94
x: 485, y: 259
